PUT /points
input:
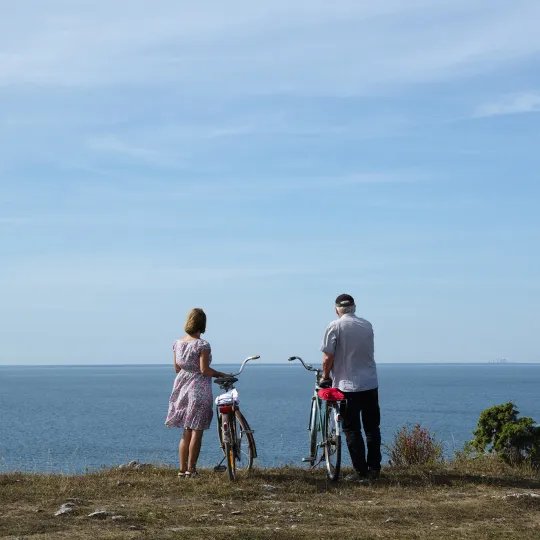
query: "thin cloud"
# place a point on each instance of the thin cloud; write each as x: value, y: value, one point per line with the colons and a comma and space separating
x: 527, y: 102
x: 89, y: 275
x: 117, y: 147
x: 340, y: 48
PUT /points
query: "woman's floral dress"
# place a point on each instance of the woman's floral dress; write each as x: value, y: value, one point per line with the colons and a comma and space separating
x: 191, y: 403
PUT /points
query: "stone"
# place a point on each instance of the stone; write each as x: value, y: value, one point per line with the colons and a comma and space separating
x: 134, y: 464
x: 268, y: 487
x: 521, y: 495
x: 64, y: 511
x: 100, y: 514
x: 118, y: 517
x: 236, y: 512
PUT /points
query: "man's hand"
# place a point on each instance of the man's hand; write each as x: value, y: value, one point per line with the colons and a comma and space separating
x: 325, y: 382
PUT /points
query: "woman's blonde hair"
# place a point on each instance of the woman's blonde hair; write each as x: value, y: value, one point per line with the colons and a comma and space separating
x: 195, y: 322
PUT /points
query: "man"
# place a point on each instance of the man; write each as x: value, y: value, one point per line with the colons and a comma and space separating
x: 348, y: 348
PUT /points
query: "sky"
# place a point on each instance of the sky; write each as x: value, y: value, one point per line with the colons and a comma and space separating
x: 257, y: 159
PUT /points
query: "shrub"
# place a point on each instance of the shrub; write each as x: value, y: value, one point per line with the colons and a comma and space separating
x: 414, y: 445
x: 500, y: 432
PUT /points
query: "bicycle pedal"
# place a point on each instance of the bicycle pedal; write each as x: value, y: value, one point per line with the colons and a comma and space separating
x: 307, y: 460
x: 220, y: 468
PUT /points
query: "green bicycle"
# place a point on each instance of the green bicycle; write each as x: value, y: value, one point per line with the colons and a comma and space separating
x: 324, y: 426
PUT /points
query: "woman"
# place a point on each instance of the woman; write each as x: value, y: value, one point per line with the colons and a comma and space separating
x: 191, y: 402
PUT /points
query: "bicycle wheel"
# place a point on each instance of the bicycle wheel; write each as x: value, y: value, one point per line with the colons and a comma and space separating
x: 245, y: 451
x: 332, y: 441
x: 238, y: 445
x: 313, y: 429
x: 229, y: 437
x: 220, y: 432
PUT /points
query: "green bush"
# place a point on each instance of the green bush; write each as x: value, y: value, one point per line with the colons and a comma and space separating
x: 414, y: 446
x: 500, y: 432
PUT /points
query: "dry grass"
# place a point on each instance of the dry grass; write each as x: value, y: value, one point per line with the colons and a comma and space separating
x: 469, y: 500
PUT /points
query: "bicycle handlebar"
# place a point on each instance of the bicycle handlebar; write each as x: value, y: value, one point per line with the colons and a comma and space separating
x: 306, y: 366
x: 244, y: 363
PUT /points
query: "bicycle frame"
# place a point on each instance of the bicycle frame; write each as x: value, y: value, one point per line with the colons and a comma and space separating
x: 321, y: 418
x: 230, y: 434
x: 331, y: 409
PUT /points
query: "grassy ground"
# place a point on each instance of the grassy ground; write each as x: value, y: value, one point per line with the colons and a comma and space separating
x: 469, y: 500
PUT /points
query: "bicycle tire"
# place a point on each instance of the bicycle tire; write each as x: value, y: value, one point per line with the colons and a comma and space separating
x: 332, y: 441
x: 229, y: 448
x: 220, y: 433
x: 245, y: 456
x: 244, y: 450
x: 313, y: 429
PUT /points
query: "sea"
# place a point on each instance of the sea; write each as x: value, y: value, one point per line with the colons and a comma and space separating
x: 73, y: 419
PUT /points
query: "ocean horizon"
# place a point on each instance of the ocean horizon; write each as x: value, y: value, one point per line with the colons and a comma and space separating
x: 86, y: 417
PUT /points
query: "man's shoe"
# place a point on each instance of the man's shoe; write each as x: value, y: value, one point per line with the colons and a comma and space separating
x: 357, y: 477
x: 373, y: 474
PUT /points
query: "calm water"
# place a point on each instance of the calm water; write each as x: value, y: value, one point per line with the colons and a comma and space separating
x: 72, y: 418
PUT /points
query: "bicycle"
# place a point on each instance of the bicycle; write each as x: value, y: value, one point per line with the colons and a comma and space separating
x: 324, y: 426
x: 233, y: 428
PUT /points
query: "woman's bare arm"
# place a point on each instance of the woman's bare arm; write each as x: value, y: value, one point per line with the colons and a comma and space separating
x: 206, y: 370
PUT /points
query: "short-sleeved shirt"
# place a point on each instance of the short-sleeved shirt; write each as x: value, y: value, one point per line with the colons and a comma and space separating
x: 350, y: 340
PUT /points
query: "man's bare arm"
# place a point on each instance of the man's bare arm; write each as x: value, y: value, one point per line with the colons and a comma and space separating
x: 327, y: 364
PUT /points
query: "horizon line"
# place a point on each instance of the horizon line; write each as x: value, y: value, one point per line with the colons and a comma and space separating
x: 486, y: 363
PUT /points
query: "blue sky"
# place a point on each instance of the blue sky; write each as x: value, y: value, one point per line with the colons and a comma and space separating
x: 257, y: 159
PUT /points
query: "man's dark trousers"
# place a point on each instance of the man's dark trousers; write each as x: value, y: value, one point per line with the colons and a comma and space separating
x: 364, y: 403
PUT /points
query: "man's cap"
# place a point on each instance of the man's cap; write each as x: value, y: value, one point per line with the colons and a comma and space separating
x: 344, y: 300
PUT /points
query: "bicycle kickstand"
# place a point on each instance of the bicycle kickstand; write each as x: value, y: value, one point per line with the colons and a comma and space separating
x: 219, y: 467
x: 318, y: 462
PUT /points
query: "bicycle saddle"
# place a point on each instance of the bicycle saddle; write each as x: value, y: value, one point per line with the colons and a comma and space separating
x: 225, y: 380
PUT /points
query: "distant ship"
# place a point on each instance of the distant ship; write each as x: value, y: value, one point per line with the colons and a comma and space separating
x: 499, y: 361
